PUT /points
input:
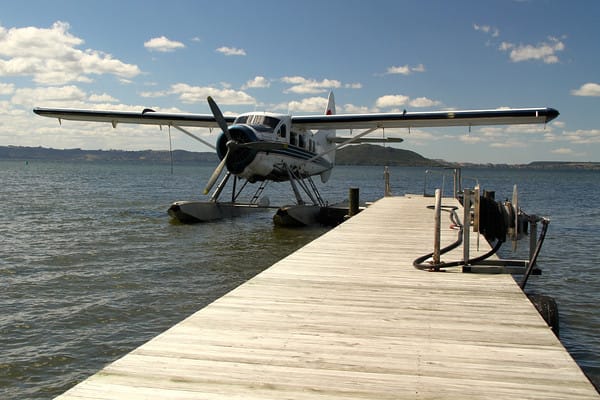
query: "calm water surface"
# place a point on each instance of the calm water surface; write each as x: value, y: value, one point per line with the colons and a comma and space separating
x: 91, y: 266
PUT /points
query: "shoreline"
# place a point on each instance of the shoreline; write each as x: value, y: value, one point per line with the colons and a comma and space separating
x: 399, y: 157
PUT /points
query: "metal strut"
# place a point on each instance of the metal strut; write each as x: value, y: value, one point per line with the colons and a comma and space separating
x: 258, y: 192
x: 220, y: 187
x: 310, y: 189
x: 316, y: 191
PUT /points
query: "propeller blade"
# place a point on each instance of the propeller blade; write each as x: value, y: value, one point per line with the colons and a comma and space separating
x: 214, y: 108
x: 215, y: 175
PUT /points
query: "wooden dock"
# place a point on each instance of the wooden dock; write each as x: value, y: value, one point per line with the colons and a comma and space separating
x: 348, y: 317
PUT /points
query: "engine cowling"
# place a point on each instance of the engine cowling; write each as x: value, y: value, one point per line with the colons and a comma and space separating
x: 240, y: 157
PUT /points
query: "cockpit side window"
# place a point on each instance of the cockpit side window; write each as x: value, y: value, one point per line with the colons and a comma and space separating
x: 283, y: 131
x: 270, y: 122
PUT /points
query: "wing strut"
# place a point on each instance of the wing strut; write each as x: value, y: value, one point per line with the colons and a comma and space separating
x: 190, y: 134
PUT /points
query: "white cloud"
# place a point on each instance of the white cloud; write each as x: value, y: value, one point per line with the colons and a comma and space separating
x: 398, y: 100
x: 405, y: 69
x: 301, y: 85
x: 389, y: 100
x: 155, y: 94
x: 582, y: 136
x: 51, y: 56
x: 198, y: 94
x: 353, y: 109
x: 311, y: 105
x: 471, y: 139
x: 353, y: 85
x: 257, y: 82
x: 163, y: 45
x: 6, y: 89
x: 508, y: 144
x: 231, y: 51
x: 46, y: 96
x: 563, y: 150
x: 545, y: 51
x: 102, y: 98
x: 588, y: 89
x: 423, y: 102
x: 490, y: 30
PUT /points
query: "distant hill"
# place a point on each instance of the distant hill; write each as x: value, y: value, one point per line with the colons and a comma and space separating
x: 564, y: 165
x: 369, y: 154
x: 363, y: 154
x: 152, y: 156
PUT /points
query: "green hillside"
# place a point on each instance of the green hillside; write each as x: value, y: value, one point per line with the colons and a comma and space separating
x: 369, y: 154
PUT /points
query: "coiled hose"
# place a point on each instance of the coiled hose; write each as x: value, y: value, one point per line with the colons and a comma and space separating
x: 492, y: 225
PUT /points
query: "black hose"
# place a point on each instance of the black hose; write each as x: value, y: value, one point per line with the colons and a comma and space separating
x: 492, y: 226
x: 419, y: 262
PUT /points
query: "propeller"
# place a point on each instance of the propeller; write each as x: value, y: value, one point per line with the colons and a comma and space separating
x: 216, y: 111
x: 220, y: 119
x: 216, y: 173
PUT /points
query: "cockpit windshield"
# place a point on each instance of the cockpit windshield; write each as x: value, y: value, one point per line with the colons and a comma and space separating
x: 259, y: 122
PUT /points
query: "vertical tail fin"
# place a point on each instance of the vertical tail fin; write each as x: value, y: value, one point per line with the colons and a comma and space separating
x: 323, y: 135
x: 330, y: 110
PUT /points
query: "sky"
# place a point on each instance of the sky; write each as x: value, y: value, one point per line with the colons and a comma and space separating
x: 286, y: 56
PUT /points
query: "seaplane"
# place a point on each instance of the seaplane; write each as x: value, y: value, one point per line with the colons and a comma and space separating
x: 259, y: 147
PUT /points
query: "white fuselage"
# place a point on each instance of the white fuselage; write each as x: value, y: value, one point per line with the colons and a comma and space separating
x: 283, y: 149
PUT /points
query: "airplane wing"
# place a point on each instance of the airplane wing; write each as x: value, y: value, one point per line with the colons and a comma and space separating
x: 146, y: 117
x: 506, y: 116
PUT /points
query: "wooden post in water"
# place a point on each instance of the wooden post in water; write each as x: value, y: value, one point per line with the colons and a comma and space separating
x: 386, y: 178
x: 352, y: 202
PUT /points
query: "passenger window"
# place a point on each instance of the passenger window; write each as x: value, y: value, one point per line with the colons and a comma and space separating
x: 301, y: 141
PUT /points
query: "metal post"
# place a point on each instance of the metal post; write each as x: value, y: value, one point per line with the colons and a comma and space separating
x: 437, y: 227
x: 467, y: 193
x: 457, y: 182
x: 532, y: 235
x: 386, y: 178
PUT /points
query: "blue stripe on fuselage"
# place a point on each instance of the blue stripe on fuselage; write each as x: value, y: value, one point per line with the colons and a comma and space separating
x: 297, y: 152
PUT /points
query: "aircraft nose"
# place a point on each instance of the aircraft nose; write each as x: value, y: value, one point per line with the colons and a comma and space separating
x: 239, y: 134
x: 239, y: 159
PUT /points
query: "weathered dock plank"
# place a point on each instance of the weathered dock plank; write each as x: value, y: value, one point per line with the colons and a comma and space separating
x: 348, y: 317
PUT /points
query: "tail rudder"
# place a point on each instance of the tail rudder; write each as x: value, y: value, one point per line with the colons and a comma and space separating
x: 330, y: 110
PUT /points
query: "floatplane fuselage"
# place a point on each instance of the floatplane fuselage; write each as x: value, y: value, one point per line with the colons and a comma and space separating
x: 278, y: 149
x: 262, y: 146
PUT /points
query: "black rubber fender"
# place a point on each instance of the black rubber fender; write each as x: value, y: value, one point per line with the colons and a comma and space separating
x: 548, y: 309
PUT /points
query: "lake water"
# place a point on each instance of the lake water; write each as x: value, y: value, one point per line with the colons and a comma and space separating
x: 91, y: 265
